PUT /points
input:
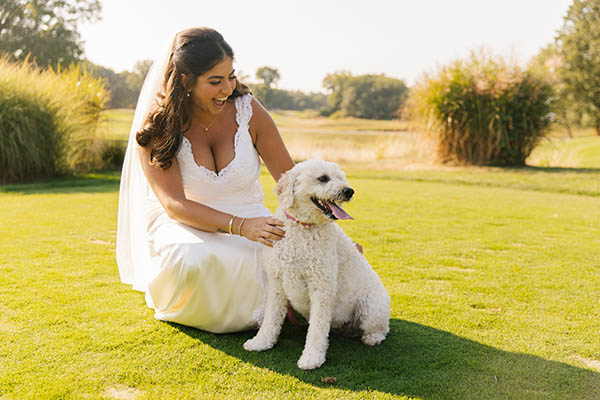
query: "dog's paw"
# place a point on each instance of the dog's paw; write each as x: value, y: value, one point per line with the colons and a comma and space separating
x: 256, y: 344
x: 373, y: 339
x: 311, y: 360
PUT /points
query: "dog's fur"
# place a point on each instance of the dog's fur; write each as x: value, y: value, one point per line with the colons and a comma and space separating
x: 317, y: 268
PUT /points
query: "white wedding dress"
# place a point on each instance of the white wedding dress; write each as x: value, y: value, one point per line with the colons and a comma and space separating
x: 210, y: 281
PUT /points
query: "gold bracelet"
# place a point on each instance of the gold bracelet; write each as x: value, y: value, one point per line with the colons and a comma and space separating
x: 230, y: 224
x: 240, y: 227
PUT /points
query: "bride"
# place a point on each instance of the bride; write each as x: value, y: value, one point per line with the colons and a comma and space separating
x: 191, y: 214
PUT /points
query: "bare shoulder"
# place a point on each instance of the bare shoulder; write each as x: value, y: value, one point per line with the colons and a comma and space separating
x: 268, y: 141
x: 260, y: 115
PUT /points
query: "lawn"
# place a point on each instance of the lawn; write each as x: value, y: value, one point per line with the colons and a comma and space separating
x: 494, y: 275
x: 115, y: 124
x: 494, y: 288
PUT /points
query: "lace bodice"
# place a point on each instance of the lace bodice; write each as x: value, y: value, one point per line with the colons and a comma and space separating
x: 235, y: 187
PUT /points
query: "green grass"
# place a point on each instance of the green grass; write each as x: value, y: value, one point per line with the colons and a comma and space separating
x: 580, y: 152
x: 306, y: 120
x: 494, y: 277
x: 116, y: 124
x: 552, y: 180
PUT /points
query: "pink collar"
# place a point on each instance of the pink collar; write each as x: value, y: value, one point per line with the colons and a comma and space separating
x: 295, y: 220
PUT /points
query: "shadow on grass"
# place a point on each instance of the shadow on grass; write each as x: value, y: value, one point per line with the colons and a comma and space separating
x: 420, y: 361
x: 552, y: 170
x: 579, y: 181
x: 548, y: 171
x: 101, y: 182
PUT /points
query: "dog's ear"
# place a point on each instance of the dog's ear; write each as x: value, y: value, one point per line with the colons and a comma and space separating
x: 285, y: 188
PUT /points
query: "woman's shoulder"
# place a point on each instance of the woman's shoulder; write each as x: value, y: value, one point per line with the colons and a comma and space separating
x: 259, y: 112
x: 261, y: 120
x: 251, y: 108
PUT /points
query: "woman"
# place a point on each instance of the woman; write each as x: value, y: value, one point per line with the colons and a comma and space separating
x: 191, y: 213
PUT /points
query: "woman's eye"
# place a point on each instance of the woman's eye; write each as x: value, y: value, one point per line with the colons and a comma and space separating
x: 215, y: 83
x: 323, y: 178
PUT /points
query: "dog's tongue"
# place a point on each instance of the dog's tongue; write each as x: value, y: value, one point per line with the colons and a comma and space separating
x: 338, y: 212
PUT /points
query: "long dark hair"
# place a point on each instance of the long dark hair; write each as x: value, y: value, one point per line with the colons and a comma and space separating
x: 193, y: 52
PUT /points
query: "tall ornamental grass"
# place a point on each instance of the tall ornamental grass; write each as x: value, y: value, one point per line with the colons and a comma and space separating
x: 483, y: 111
x: 48, y: 121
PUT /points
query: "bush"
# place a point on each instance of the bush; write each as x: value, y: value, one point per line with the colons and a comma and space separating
x: 483, y: 111
x: 28, y: 139
x: 113, y: 154
x: 48, y: 121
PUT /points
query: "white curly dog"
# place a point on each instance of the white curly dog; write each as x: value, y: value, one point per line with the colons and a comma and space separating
x: 317, y: 268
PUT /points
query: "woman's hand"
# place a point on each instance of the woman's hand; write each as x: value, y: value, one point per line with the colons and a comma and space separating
x: 263, y: 230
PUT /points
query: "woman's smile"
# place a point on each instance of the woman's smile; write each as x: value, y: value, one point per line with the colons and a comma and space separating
x: 220, y: 102
x: 213, y: 88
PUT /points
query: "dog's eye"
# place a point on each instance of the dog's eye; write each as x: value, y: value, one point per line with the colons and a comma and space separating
x: 323, y: 178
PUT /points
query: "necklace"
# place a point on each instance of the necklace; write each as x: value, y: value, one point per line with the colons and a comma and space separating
x: 202, y: 125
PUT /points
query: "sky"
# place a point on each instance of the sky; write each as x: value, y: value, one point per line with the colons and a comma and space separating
x: 308, y: 39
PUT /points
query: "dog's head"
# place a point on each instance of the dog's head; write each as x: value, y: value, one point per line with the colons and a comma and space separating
x: 313, y: 191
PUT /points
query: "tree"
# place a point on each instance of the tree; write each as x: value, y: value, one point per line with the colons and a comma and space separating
x: 135, y: 80
x: 264, y: 91
x: 269, y: 76
x: 579, y: 44
x: 373, y: 96
x: 124, y: 87
x: 141, y: 69
x: 281, y: 99
x: 335, y: 83
x: 364, y: 96
x: 45, y: 30
x: 546, y: 64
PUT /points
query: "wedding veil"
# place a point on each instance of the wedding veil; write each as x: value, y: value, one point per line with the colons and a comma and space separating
x: 133, y: 256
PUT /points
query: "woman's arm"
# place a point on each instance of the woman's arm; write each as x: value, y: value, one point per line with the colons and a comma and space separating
x: 167, y: 185
x: 268, y: 141
x: 270, y: 146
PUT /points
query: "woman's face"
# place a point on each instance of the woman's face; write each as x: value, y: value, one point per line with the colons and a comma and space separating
x: 213, y: 88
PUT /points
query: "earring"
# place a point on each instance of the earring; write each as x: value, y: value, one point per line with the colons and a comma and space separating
x: 188, y: 94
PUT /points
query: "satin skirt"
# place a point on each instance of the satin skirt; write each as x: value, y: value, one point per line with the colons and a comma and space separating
x: 210, y: 281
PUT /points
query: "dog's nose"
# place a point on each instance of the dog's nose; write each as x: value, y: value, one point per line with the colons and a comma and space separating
x: 348, y: 192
